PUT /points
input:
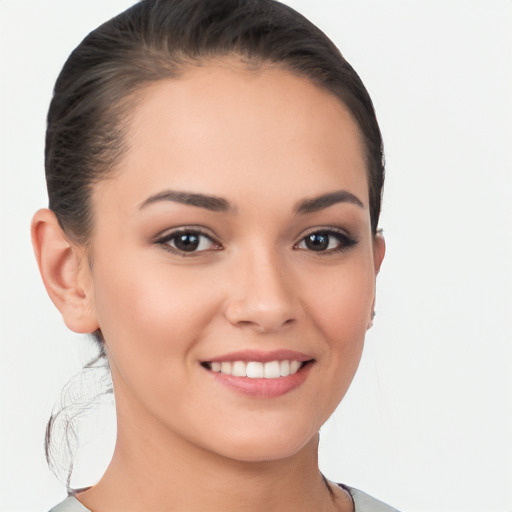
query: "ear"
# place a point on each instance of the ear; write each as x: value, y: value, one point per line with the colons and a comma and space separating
x: 379, y: 250
x: 65, y: 271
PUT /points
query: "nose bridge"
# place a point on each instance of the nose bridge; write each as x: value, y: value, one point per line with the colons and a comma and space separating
x: 262, y: 293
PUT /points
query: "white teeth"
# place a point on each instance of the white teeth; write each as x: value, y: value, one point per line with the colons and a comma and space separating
x: 284, y: 368
x: 256, y: 369
x: 294, y: 366
x: 238, y: 369
x: 225, y: 368
x: 271, y: 370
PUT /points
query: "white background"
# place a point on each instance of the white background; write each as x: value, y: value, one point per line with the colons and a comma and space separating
x: 427, y: 425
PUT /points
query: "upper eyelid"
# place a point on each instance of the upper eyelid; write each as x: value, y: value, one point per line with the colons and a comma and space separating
x: 166, y: 237
x: 346, y: 239
x: 324, y: 229
x: 171, y: 232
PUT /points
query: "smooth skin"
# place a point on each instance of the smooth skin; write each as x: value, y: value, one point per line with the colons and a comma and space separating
x: 263, y: 140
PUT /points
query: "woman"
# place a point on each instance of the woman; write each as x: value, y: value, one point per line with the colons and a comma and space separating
x: 214, y: 172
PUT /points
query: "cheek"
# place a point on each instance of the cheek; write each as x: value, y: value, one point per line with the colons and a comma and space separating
x: 146, y: 314
x: 340, y: 304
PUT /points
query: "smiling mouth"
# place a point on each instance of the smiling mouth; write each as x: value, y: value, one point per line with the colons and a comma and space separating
x: 256, y: 369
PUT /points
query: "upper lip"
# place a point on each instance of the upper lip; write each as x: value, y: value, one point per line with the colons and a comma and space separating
x: 261, y: 356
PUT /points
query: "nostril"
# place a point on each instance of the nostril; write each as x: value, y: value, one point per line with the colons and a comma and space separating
x: 262, y: 312
x: 265, y: 324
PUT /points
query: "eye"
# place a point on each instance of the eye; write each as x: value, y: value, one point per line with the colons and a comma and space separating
x: 326, y: 240
x: 186, y: 242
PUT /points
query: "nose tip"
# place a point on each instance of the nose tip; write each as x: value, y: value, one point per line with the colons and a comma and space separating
x: 262, y: 298
x: 261, y: 316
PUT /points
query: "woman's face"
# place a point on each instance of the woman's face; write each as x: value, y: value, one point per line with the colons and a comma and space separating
x: 235, y: 236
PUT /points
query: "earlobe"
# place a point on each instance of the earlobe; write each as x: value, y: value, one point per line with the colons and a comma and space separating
x: 65, y: 273
x: 379, y: 250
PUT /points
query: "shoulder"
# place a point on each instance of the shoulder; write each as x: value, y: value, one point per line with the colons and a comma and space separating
x: 70, y: 504
x: 366, y: 503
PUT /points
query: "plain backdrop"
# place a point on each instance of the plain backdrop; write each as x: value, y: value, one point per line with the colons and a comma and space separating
x: 427, y: 424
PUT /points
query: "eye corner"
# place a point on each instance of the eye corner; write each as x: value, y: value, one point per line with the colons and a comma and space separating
x: 187, y: 241
x: 320, y: 241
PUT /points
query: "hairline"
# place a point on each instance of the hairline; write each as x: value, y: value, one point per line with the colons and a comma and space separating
x: 125, y: 108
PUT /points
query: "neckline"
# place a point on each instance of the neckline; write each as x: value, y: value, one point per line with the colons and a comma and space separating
x: 72, y: 495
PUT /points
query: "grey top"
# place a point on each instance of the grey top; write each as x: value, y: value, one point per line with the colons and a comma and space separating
x: 362, y: 501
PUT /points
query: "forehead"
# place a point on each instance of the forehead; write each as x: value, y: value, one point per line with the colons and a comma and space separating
x: 223, y: 127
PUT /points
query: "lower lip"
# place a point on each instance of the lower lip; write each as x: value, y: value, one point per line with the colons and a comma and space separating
x: 263, y: 388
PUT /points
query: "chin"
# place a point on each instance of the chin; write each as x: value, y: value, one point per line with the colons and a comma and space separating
x: 258, y: 447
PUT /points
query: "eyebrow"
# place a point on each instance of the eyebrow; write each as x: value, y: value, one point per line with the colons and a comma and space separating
x: 318, y: 203
x: 219, y: 204
x: 213, y: 203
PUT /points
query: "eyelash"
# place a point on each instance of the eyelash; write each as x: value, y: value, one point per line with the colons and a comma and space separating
x: 166, y: 240
x: 345, y: 241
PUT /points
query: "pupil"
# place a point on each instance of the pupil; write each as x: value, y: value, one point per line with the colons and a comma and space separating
x: 188, y: 242
x: 317, y: 241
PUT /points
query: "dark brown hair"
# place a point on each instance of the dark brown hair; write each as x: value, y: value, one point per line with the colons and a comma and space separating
x: 159, y: 39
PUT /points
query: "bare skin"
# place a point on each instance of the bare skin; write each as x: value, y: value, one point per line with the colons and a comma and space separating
x: 266, y: 143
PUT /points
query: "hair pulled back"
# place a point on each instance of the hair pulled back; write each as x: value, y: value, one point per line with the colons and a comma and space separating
x: 159, y: 39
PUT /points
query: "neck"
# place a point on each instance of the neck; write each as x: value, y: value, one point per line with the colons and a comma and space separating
x: 156, y: 471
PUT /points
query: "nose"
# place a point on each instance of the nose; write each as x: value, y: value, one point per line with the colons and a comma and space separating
x: 262, y: 295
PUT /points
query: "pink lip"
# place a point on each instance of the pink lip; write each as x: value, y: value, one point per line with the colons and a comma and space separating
x: 262, y: 388
x: 262, y: 357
